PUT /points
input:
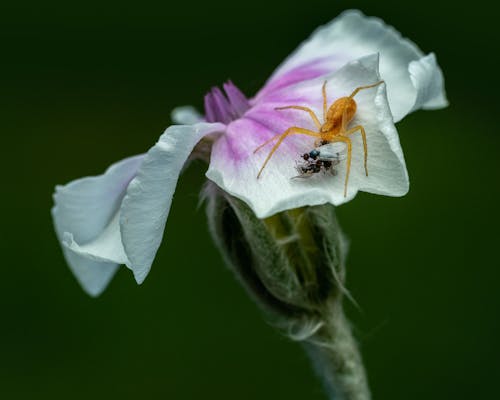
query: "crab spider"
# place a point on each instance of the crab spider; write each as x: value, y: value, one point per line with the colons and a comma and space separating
x: 334, y: 128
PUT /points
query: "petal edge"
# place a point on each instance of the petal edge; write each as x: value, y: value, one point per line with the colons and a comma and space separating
x: 146, y: 205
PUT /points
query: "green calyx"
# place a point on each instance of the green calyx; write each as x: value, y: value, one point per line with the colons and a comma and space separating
x: 292, y: 263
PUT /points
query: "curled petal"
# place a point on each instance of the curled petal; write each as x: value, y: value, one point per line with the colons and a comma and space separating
x: 147, y: 203
x: 234, y: 166
x: 413, y: 81
x: 107, y: 247
x: 427, y: 78
x: 85, y: 217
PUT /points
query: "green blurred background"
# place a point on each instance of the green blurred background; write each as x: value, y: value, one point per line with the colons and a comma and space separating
x: 87, y: 83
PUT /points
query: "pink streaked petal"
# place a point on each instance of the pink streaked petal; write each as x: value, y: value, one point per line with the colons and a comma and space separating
x: 234, y: 166
x: 243, y: 136
x: 304, y: 94
x: 353, y: 35
x: 309, y: 70
x: 263, y: 121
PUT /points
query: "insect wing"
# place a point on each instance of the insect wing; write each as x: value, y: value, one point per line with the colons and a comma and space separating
x: 332, y: 151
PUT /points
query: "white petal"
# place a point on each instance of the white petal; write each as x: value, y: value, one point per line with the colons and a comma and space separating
x: 427, y: 78
x: 185, y: 115
x: 275, y: 191
x: 85, y: 218
x: 149, y: 196
x: 107, y: 247
x: 352, y: 35
x: 93, y: 276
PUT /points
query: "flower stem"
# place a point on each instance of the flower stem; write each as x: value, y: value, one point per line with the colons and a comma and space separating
x: 336, y: 358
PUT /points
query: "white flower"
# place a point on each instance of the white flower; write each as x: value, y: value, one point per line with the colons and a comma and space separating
x: 119, y: 217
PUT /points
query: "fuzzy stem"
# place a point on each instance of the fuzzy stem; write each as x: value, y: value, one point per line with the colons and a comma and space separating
x: 336, y: 358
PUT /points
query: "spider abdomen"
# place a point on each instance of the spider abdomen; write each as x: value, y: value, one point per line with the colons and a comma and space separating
x: 342, y: 109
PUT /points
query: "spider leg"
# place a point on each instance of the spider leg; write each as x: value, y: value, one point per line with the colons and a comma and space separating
x: 325, y: 105
x: 347, y: 141
x: 365, y: 146
x: 267, y: 142
x: 294, y: 130
x: 307, y: 110
x: 344, y: 121
x: 354, y: 93
x: 364, y: 87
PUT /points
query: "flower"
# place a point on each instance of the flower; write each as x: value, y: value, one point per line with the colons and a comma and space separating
x: 119, y: 217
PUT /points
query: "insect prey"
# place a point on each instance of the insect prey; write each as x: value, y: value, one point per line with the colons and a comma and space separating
x: 321, y: 159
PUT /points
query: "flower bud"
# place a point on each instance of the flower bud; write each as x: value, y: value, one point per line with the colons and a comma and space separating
x: 292, y: 265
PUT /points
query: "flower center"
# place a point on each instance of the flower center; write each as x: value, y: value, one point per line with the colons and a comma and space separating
x: 225, y: 107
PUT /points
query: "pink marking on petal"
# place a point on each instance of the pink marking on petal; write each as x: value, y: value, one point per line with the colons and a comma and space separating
x: 310, y: 70
x: 244, y: 135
